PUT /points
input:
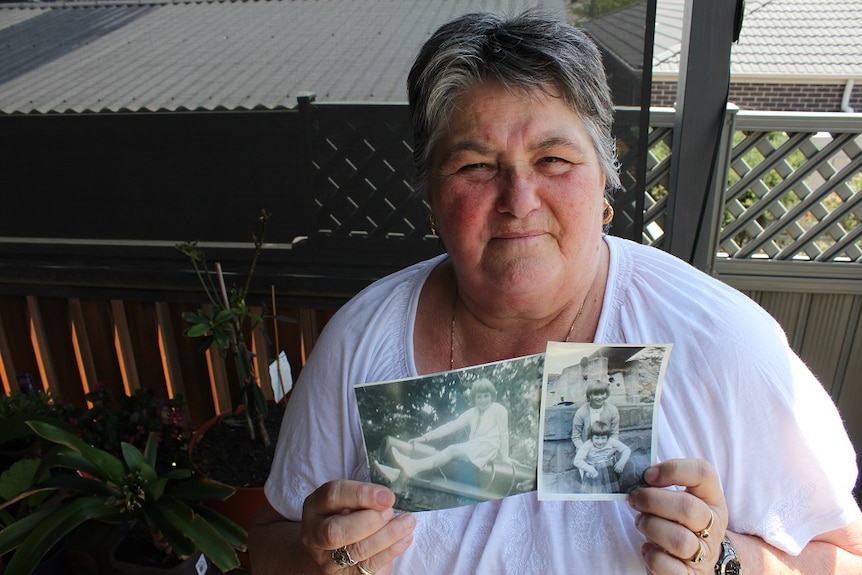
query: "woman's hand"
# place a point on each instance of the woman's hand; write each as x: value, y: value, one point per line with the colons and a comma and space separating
x: 355, y: 521
x: 684, y: 528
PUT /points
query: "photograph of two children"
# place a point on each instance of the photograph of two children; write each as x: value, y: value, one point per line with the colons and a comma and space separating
x: 577, y: 422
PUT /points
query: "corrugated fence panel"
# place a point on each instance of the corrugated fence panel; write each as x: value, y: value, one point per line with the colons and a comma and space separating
x: 849, y: 398
x: 786, y: 308
x: 824, y: 344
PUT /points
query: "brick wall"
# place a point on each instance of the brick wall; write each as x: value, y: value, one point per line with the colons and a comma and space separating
x: 774, y: 97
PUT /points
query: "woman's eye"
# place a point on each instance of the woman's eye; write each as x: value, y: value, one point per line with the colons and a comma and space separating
x: 476, y: 166
x: 553, y: 165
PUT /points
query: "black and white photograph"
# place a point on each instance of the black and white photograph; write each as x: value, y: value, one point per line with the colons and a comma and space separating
x: 599, y: 410
x: 455, y: 438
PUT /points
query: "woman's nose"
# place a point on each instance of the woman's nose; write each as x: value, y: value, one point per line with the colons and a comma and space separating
x: 518, y: 193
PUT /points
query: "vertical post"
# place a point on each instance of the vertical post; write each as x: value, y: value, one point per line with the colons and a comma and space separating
x: 706, y: 250
x: 643, y: 122
x: 305, y: 181
x: 41, y: 346
x: 81, y: 345
x: 125, y: 348
x: 704, y: 79
x: 7, y: 366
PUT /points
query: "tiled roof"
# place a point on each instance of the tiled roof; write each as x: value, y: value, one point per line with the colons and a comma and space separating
x: 183, y: 55
x: 808, y: 38
x: 803, y: 40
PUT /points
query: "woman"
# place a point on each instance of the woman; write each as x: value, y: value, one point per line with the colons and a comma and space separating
x: 487, y: 424
x: 512, y: 129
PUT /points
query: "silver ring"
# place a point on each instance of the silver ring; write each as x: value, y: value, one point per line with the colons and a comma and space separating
x: 364, y: 570
x: 342, y: 558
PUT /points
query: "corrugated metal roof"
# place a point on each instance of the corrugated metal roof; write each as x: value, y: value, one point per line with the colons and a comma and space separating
x: 781, y: 39
x: 157, y: 55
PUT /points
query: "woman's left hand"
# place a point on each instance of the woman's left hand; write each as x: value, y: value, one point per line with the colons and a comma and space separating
x: 684, y: 528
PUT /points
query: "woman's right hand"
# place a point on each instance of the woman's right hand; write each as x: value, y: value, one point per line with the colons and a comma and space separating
x: 360, y: 517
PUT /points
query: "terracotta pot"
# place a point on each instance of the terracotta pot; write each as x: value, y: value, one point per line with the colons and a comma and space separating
x: 242, y: 506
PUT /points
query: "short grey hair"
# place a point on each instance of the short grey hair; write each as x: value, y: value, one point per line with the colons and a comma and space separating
x: 484, y: 385
x: 531, y: 51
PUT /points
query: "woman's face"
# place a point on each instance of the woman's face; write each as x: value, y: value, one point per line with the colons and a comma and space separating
x: 516, y: 189
x: 484, y: 400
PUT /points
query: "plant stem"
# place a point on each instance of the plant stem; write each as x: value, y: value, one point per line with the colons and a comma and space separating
x: 240, y: 353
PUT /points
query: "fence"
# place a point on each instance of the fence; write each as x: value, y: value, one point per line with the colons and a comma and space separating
x: 786, y: 232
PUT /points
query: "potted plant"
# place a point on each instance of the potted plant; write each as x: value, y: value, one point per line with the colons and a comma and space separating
x: 75, y: 482
x: 229, y: 324
x: 17, y: 440
x: 112, y: 420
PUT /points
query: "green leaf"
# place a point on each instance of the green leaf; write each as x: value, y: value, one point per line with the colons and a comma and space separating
x: 204, y: 536
x: 151, y: 449
x: 201, y: 489
x: 72, y: 460
x: 51, y: 529
x: 197, y: 329
x: 15, y: 532
x: 229, y: 530
x: 178, y: 473
x: 224, y: 316
x: 132, y: 455
x: 195, y: 316
x: 172, y: 525
x: 20, y: 477
x: 112, y: 469
x: 156, y: 488
x: 222, y: 341
x: 79, y: 484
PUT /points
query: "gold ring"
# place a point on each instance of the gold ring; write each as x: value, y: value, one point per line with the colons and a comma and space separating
x: 698, y: 557
x: 704, y: 533
x: 364, y: 570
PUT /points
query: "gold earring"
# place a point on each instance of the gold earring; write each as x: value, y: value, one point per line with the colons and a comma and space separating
x: 608, y: 213
x: 433, y: 226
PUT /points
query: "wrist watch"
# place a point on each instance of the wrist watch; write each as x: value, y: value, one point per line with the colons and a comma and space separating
x: 728, y: 562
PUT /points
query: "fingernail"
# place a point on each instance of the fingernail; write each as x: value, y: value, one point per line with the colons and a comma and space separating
x: 407, y: 520
x: 387, y: 513
x: 384, y: 498
x: 650, y: 475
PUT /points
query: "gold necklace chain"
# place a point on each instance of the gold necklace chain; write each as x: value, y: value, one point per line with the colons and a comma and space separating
x: 452, y: 326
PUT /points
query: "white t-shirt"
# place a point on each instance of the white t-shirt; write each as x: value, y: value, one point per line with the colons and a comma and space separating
x: 734, y: 394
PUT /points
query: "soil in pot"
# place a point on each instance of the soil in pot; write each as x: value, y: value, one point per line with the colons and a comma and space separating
x: 225, y: 453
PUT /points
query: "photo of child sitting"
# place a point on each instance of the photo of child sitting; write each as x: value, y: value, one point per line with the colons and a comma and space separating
x: 601, y: 460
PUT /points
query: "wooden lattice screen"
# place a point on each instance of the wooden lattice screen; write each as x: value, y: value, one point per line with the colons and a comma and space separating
x: 794, y: 192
